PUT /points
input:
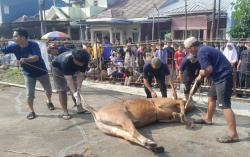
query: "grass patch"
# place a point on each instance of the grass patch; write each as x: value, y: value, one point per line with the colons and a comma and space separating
x: 11, y: 75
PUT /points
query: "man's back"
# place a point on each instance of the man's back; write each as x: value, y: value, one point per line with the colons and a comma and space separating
x: 222, y: 69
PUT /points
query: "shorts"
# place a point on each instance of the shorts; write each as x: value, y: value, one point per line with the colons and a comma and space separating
x: 30, y: 83
x: 60, y: 82
x: 222, y: 92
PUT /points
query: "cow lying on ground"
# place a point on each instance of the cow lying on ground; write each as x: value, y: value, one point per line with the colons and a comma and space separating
x: 121, y: 118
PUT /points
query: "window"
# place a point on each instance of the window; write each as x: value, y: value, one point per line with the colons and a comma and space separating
x: 6, y: 9
x: 135, y: 36
x: 95, y: 2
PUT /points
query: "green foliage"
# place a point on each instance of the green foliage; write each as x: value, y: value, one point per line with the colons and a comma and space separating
x: 12, y: 75
x: 241, y: 16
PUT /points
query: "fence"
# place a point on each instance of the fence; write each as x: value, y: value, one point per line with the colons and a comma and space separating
x: 125, y: 66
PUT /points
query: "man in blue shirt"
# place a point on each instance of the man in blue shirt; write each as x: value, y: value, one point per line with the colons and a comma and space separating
x: 214, y: 64
x: 28, y: 55
x: 159, y: 71
x: 107, y: 49
x: 162, y: 54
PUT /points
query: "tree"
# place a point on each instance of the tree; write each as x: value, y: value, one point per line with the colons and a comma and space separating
x: 241, y: 16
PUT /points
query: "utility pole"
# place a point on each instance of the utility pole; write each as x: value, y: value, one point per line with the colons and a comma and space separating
x: 40, y: 3
x: 185, y: 19
x: 213, y: 22
x: 44, y: 17
x: 153, y: 27
x: 218, y: 21
x: 158, y: 14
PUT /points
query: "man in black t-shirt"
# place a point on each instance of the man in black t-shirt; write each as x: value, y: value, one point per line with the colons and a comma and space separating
x: 189, y: 70
x: 68, y: 72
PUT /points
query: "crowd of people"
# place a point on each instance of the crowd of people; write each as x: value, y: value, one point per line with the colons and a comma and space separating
x: 123, y: 64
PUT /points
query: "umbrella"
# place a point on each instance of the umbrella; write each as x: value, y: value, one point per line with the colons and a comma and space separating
x: 55, y: 35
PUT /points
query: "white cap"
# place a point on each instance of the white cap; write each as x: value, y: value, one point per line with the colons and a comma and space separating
x: 189, y: 41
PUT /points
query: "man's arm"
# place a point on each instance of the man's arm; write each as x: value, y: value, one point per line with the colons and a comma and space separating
x: 205, y: 72
x: 79, y: 79
x: 70, y: 83
x: 147, y: 85
x: 169, y: 79
x: 31, y: 59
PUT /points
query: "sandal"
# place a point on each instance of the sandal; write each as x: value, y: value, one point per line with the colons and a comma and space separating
x: 227, y: 139
x: 81, y: 110
x: 31, y: 115
x: 202, y: 121
x: 50, y: 106
x: 65, y: 116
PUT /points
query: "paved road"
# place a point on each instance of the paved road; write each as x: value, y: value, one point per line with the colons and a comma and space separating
x: 49, y: 135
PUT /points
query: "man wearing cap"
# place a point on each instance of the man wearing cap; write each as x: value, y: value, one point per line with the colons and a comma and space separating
x: 29, y: 56
x: 156, y: 69
x: 68, y: 72
x: 215, y: 65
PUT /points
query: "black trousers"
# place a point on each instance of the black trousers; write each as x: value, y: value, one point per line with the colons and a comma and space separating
x: 162, y: 85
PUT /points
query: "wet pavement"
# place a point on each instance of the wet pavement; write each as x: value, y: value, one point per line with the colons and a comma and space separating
x: 48, y: 135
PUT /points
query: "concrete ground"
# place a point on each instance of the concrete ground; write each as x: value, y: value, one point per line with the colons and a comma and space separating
x: 50, y: 136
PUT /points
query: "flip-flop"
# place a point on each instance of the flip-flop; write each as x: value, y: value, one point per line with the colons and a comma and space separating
x: 81, y: 110
x: 31, y: 115
x: 50, y: 106
x: 65, y: 116
x: 227, y: 139
x: 202, y: 121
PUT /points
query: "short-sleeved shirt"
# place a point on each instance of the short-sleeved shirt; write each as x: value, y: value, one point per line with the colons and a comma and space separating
x: 190, y: 70
x: 222, y: 69
x: 162, y: 55
x: 35, y: 69
x: 65, y: 63
x: 160, y: 73
x: 178, y: 57
x: 106, y: 50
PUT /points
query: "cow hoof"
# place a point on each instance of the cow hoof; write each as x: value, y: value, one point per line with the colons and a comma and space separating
x: 158, y: 149
x: 152, y: 145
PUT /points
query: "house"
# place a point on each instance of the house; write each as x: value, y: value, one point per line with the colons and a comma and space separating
x: 199, y: 18
x: 78, y: 10
x: 128, y: 19
x: 10, y: 10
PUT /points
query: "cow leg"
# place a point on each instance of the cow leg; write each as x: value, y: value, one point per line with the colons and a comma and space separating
x: 127, y: 131
x: 183, y: 119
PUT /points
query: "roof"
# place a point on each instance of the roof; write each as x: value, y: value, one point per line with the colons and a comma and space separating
x: 127, y: 9
x: 26, y: 18
x: 55, y: 12
x: 177, y: 7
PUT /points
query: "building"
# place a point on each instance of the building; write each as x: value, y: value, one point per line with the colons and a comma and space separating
x: 199, y: 18
x: 79, y: 10
x: 19, y: 13
x: 129, y: 20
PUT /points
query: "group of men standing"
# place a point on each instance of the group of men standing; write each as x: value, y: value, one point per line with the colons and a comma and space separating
x: 67, y: 68
x: 211, y: 63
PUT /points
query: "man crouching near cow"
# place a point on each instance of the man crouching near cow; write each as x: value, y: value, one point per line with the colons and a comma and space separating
x: 68, y: 73
x: 160, y: 71
x: 214, y: 64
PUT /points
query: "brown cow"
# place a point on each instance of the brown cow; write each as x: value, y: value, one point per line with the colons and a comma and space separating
x: 121, y: 118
